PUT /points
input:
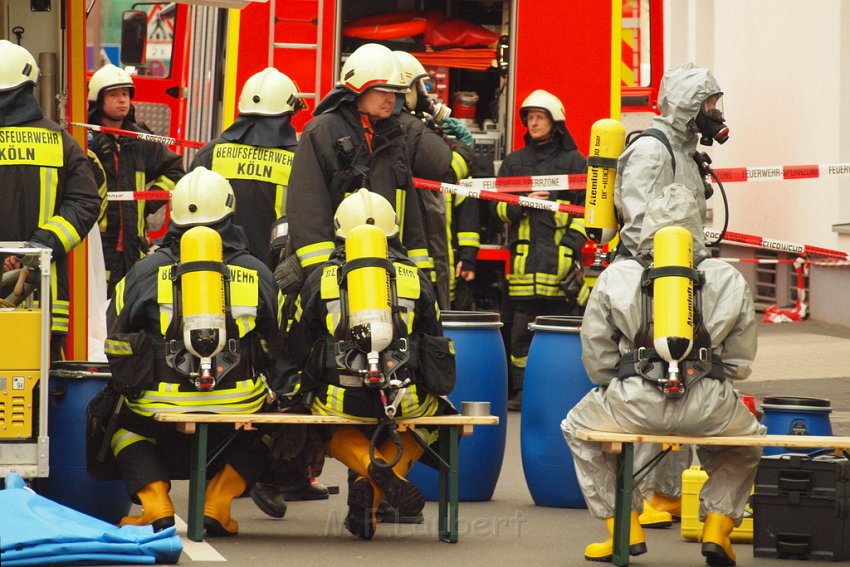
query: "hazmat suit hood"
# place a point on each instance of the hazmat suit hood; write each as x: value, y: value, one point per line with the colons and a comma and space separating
x: 672, y: 205
x: 262, y: 131
x: 19, y: 106
x: 680, y: 97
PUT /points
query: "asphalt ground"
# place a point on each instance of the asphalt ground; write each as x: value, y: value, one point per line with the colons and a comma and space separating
x: 795, y: 359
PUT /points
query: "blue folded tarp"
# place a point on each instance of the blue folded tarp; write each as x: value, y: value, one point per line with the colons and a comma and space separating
x: 38, y: 531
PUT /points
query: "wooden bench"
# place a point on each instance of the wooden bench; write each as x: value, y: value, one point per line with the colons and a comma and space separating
x: 451, y: 428
x: 622, y: 444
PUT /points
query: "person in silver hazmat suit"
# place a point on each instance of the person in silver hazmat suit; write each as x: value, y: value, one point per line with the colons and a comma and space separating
x: 626, y: 402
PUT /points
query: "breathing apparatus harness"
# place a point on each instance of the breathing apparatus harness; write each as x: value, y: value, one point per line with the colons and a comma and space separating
x: 645, y: 361
x: 377, y: 369
x: 178, y: 358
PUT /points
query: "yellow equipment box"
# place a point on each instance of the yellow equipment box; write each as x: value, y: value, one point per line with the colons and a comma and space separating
x: 16, y: 403
x: 692, y: 481
x: 20, y: 339
x: 20, y: 357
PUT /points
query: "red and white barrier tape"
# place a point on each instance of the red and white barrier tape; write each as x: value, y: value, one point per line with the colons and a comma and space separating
x: 578, y: 181
x: 710, y: 234
x: 167, y: 140
x: 778, y: 245
x: 756, y: 260
x: 138, y: 196
x: 486, y: 195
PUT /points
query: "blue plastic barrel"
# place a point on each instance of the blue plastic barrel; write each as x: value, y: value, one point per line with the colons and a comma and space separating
x: 72, y: 386
x: 795, y: 416
x: 555, y: 381
x: 482, y: 376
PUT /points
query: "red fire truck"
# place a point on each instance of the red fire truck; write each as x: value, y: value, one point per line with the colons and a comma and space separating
x: 603, y: 59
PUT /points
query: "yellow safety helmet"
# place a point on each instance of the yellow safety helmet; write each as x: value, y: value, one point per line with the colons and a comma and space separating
x: 365, y: 207
x: 542, y: 100
x: 372, y: 66
x: 109, y: 77
x: 410, y: 67
x: 201, y: 197
x: 269, y: 93
x: 17, y: 66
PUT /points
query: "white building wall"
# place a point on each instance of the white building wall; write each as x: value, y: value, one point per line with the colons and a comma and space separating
x: 785, y: 68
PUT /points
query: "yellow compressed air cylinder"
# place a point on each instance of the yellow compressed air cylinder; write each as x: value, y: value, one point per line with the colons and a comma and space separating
x: 202, y: 293
x: 369, y: 301
x: 607, y: 140
x: 673, y: 295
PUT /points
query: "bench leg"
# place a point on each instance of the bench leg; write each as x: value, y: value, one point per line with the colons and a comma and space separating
x: 197, y: 484
x: 449, y: 487
x: 623, y: 504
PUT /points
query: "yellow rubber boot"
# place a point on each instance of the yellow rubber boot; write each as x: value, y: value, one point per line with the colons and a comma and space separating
x: 412, y: 451
x: 653, y: 518
x: 363, y: 500
x: 672, y: 506
x: 402, y: 495
x: 226, y: 485
x: 716, y: 545
x: 604, y: 551
x: 157, y: 509
x: 350, y: 446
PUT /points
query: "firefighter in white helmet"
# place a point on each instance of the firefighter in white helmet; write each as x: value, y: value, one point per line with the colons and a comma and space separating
x: 156, y: 369
x: 130, y: 164
x: 50, y: 196
x: 354, y: 141
x: 545, y: 247
x: 633, y: 394
x: 348, y: 336
x: 433, y: 157
x: 255, y: 154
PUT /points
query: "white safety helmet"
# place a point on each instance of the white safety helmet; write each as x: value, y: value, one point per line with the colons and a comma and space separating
x: 365, y: 207
x: 269, y: 93
x: 109, y: 77
x: 372, y: 66
x: 410, y: 67
x: 542, y: 100
x: 201, y: 197
x: 17, y: 66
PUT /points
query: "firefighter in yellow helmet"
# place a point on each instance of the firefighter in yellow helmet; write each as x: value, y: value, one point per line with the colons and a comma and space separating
x: 339, y: 376
x: 354, y: 141
x: 50, y: 196
x: 130, y: 165
x: 452, y: 220
x: 545, y: 247
x: 255, y: 154
x: 154, y: 358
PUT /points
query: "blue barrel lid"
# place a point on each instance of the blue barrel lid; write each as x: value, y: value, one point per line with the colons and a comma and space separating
x: 788, y: 402
x: 470, y: 319
x: 556, y: 323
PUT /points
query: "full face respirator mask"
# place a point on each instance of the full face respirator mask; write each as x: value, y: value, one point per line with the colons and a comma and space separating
x: 710, y: 122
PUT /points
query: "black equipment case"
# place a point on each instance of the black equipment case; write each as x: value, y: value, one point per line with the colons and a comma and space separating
x: 801, y: 507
